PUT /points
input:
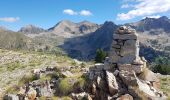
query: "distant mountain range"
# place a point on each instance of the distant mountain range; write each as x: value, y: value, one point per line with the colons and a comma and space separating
x: 81, y: 40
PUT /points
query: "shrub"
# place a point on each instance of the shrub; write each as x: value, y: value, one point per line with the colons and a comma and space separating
x: 65, y: 86
x: 26, y: 79
x: 162, y: 65
x: 13, y: 89
x: 100, y: 56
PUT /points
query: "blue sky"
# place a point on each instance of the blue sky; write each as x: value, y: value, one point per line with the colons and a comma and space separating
x: 46, y: 13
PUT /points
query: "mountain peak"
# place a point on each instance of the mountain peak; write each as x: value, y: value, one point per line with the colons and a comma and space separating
x: 66, y: 22
x: 31, y: 29
x: 164, y: 18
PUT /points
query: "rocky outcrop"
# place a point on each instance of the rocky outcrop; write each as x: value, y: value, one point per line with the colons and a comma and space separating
x: 124, y: 75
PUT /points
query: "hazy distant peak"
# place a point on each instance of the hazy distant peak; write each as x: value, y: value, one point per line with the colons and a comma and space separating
x: 3, y: 28
x: 165, y: 18
x: 31, y: 29
x: 66, y: 22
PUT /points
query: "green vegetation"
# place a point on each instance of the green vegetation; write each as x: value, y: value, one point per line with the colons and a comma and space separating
x: 65, y: 86
x: 26, y: 79
x: 13, y: 89
x: 14, y: 65
x: 100, y: 56
x: 162, y: 65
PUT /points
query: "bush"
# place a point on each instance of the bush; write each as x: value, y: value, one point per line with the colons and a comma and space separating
x: 162, y: 65
x: 65, y: 86
x: 100, y: 56
x: 26, y: 79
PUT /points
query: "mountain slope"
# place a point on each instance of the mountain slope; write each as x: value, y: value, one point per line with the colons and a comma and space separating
x: 84, y: 47
x: 152, y: 24
x: 68, y: 29
x: 13, y: 40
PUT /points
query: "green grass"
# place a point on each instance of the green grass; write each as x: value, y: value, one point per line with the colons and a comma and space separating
x: 165, y: 85
x: 65, y: 87
x: 14, y: 65
x: 26, y: 79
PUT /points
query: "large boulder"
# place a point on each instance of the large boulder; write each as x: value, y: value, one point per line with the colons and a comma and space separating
x: 150, y: 76
x: 143, y: 90
x: 112, y: 83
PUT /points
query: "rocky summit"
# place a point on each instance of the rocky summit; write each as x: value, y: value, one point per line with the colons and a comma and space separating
x: 124, y: 75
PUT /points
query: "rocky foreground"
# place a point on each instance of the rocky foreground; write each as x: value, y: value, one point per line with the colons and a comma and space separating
x: 123, y: 76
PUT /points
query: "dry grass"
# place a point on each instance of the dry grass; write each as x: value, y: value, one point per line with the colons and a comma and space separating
x: 165, y: 85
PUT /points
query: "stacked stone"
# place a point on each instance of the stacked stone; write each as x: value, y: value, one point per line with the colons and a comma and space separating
x: 124, y: 72
x: 125, y: 50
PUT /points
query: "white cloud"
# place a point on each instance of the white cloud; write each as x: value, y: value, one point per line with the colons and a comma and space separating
x: 69, y: 12
x: 10, y: 19
x: 126, y: 6
x: 154, y: 16
x: 85, y: 13
x: 82, y: 12
x: 145, y: 8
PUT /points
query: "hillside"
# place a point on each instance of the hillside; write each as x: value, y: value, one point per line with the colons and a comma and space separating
x: 14, y: 40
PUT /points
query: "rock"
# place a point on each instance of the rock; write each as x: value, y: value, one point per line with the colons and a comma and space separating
x: 99, y: 66
x: 21, y: 91
x: 112, y: 83
x: 130, y: 68
x: 143, y: 90
x: 31, y: 94
x: 67, y: 74
x: 113, y: 56
x: 148, y: 75
x: 93, y: 89
x: 36, y: 71
x: 143, y: 59
x: 116, y: 72
x: 46, y: 90
x: 138, y: 62
x: 37, y: 75
x: 125, y: 36
x: 10, y: 97
x: 126, y: 59
x: 81, y: 96
x: 125, y: 97
x: 128, y: 78
x: 38, y: 90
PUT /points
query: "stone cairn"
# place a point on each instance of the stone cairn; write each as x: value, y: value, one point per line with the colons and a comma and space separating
x: 124, y: 75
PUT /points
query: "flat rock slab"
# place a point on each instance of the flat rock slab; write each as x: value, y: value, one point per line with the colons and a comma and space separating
x: 125, y: 36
